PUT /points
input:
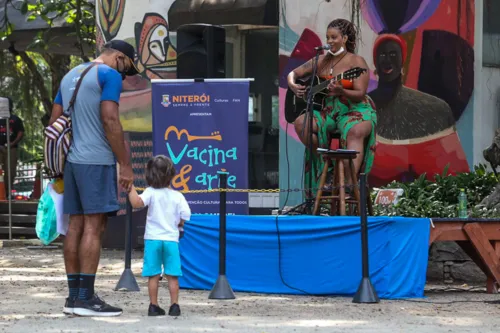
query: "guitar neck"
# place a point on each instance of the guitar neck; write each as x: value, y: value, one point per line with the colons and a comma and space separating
x: 325, y: 83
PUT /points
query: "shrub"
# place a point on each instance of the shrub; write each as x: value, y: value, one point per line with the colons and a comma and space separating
x: 439, y: 198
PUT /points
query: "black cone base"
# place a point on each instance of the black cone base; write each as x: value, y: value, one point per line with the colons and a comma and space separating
x: 366, y: 293
x: 222, y: 289
x: 127, y: 281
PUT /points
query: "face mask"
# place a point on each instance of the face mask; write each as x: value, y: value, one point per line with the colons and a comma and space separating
x: 339, y: 52
x: 118, y: 70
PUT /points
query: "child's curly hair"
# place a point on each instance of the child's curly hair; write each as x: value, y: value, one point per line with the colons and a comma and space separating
x: 160, y: 171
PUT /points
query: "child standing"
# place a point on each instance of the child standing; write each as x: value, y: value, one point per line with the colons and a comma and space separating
x: 167, y: 212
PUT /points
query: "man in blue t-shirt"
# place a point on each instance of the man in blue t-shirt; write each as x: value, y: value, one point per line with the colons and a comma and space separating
x: 90, y: 175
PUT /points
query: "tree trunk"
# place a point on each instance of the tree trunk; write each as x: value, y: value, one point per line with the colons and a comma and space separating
x: 59, y: 66
x: 38, y: 80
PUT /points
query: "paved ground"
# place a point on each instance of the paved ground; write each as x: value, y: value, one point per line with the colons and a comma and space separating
x: 33, y: 288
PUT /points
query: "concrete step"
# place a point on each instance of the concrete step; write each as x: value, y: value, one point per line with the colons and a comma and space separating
x: 18, y: 219
x: 29, y: 243
x: 19, y: 207
x: 18, y: 231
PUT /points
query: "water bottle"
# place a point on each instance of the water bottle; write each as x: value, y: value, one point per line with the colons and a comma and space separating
x: 462, y: 204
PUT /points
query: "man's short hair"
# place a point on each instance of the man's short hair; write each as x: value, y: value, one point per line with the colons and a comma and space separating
x: 108, y: 51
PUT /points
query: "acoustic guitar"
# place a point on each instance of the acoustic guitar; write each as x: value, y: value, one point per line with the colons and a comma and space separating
x: 295, y: 106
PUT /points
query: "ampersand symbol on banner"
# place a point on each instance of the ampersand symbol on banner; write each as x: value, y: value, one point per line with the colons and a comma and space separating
x: 180, y: 181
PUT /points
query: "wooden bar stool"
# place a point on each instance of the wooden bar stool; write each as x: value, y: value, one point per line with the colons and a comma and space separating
x: 337, y: 196
x: 337, y: 193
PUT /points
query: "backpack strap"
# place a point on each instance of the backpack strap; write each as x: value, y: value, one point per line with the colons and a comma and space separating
x: 73, y: 98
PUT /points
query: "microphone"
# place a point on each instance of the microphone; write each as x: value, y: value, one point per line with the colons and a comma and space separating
x: 323, y: 47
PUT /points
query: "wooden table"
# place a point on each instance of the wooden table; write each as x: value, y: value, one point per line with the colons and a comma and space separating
x: 479, y: 238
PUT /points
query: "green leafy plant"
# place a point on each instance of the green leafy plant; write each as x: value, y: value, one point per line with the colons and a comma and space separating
x: 78, y: 15
x: 439, y: 198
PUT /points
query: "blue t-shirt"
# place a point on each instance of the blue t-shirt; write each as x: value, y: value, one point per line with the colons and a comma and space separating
x: 101, y: 83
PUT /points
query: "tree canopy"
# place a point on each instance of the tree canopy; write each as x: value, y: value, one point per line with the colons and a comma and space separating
x: 31, y: 76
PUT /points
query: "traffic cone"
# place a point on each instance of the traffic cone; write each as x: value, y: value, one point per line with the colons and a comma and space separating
x: 3, y: 197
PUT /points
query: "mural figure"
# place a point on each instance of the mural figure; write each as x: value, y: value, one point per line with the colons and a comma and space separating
x: 412, y: 124
x: 416, y: 132
x: 404, y: 113
x: 156, y: 56
x: 346, y: 109
x: 110, y: 14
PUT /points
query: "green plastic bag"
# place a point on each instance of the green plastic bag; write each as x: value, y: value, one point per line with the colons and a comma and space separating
x: 46, y: 219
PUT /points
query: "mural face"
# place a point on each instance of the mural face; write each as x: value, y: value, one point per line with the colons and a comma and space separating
x: 389, y: 61
x: 420, y: 55
x: 144, y: 26
x: 156, y: 56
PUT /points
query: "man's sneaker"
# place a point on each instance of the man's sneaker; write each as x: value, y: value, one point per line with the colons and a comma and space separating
x: 95, y: 307
x: 69, y: 306
x: 174, y: 310
x: 155, y: 310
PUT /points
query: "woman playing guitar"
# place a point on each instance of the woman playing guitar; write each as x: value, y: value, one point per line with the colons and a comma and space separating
x: 347, y: 108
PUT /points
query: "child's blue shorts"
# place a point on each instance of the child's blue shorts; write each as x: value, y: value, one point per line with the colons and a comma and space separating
x: 158, y: 253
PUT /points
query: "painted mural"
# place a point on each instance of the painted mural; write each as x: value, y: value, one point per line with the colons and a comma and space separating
x: 145, y: 26
x: 420, y: 55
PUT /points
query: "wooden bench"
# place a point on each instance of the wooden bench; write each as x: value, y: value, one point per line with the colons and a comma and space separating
x: 480, y: 240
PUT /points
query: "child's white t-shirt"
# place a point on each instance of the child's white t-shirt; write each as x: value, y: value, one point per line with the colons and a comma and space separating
x: 166, y: 208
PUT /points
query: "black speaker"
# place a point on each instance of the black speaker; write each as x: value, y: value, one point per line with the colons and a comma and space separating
x: 201, y: 51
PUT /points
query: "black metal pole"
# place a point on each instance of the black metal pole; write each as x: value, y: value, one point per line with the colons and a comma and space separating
x: 310, y: 200
x: 222, y: 225
x: 364, y: 227
x: 222, y: 289
x: 127, y: 281
x: 128, y: 236
x: 307, y: 205
x: 366, y: 292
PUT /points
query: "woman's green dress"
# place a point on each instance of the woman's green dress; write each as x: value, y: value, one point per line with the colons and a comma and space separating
x: 339, y: 114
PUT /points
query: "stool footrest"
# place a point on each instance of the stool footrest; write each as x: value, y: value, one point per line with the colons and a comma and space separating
x: 347, y: 201
x: 338, y: 152
x: 337, y: 197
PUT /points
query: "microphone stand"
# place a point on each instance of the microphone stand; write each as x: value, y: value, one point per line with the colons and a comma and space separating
x: 309, y: 202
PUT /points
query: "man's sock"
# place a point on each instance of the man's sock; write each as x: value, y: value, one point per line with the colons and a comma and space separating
x: 86, y: 286
x: 73, y: 285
